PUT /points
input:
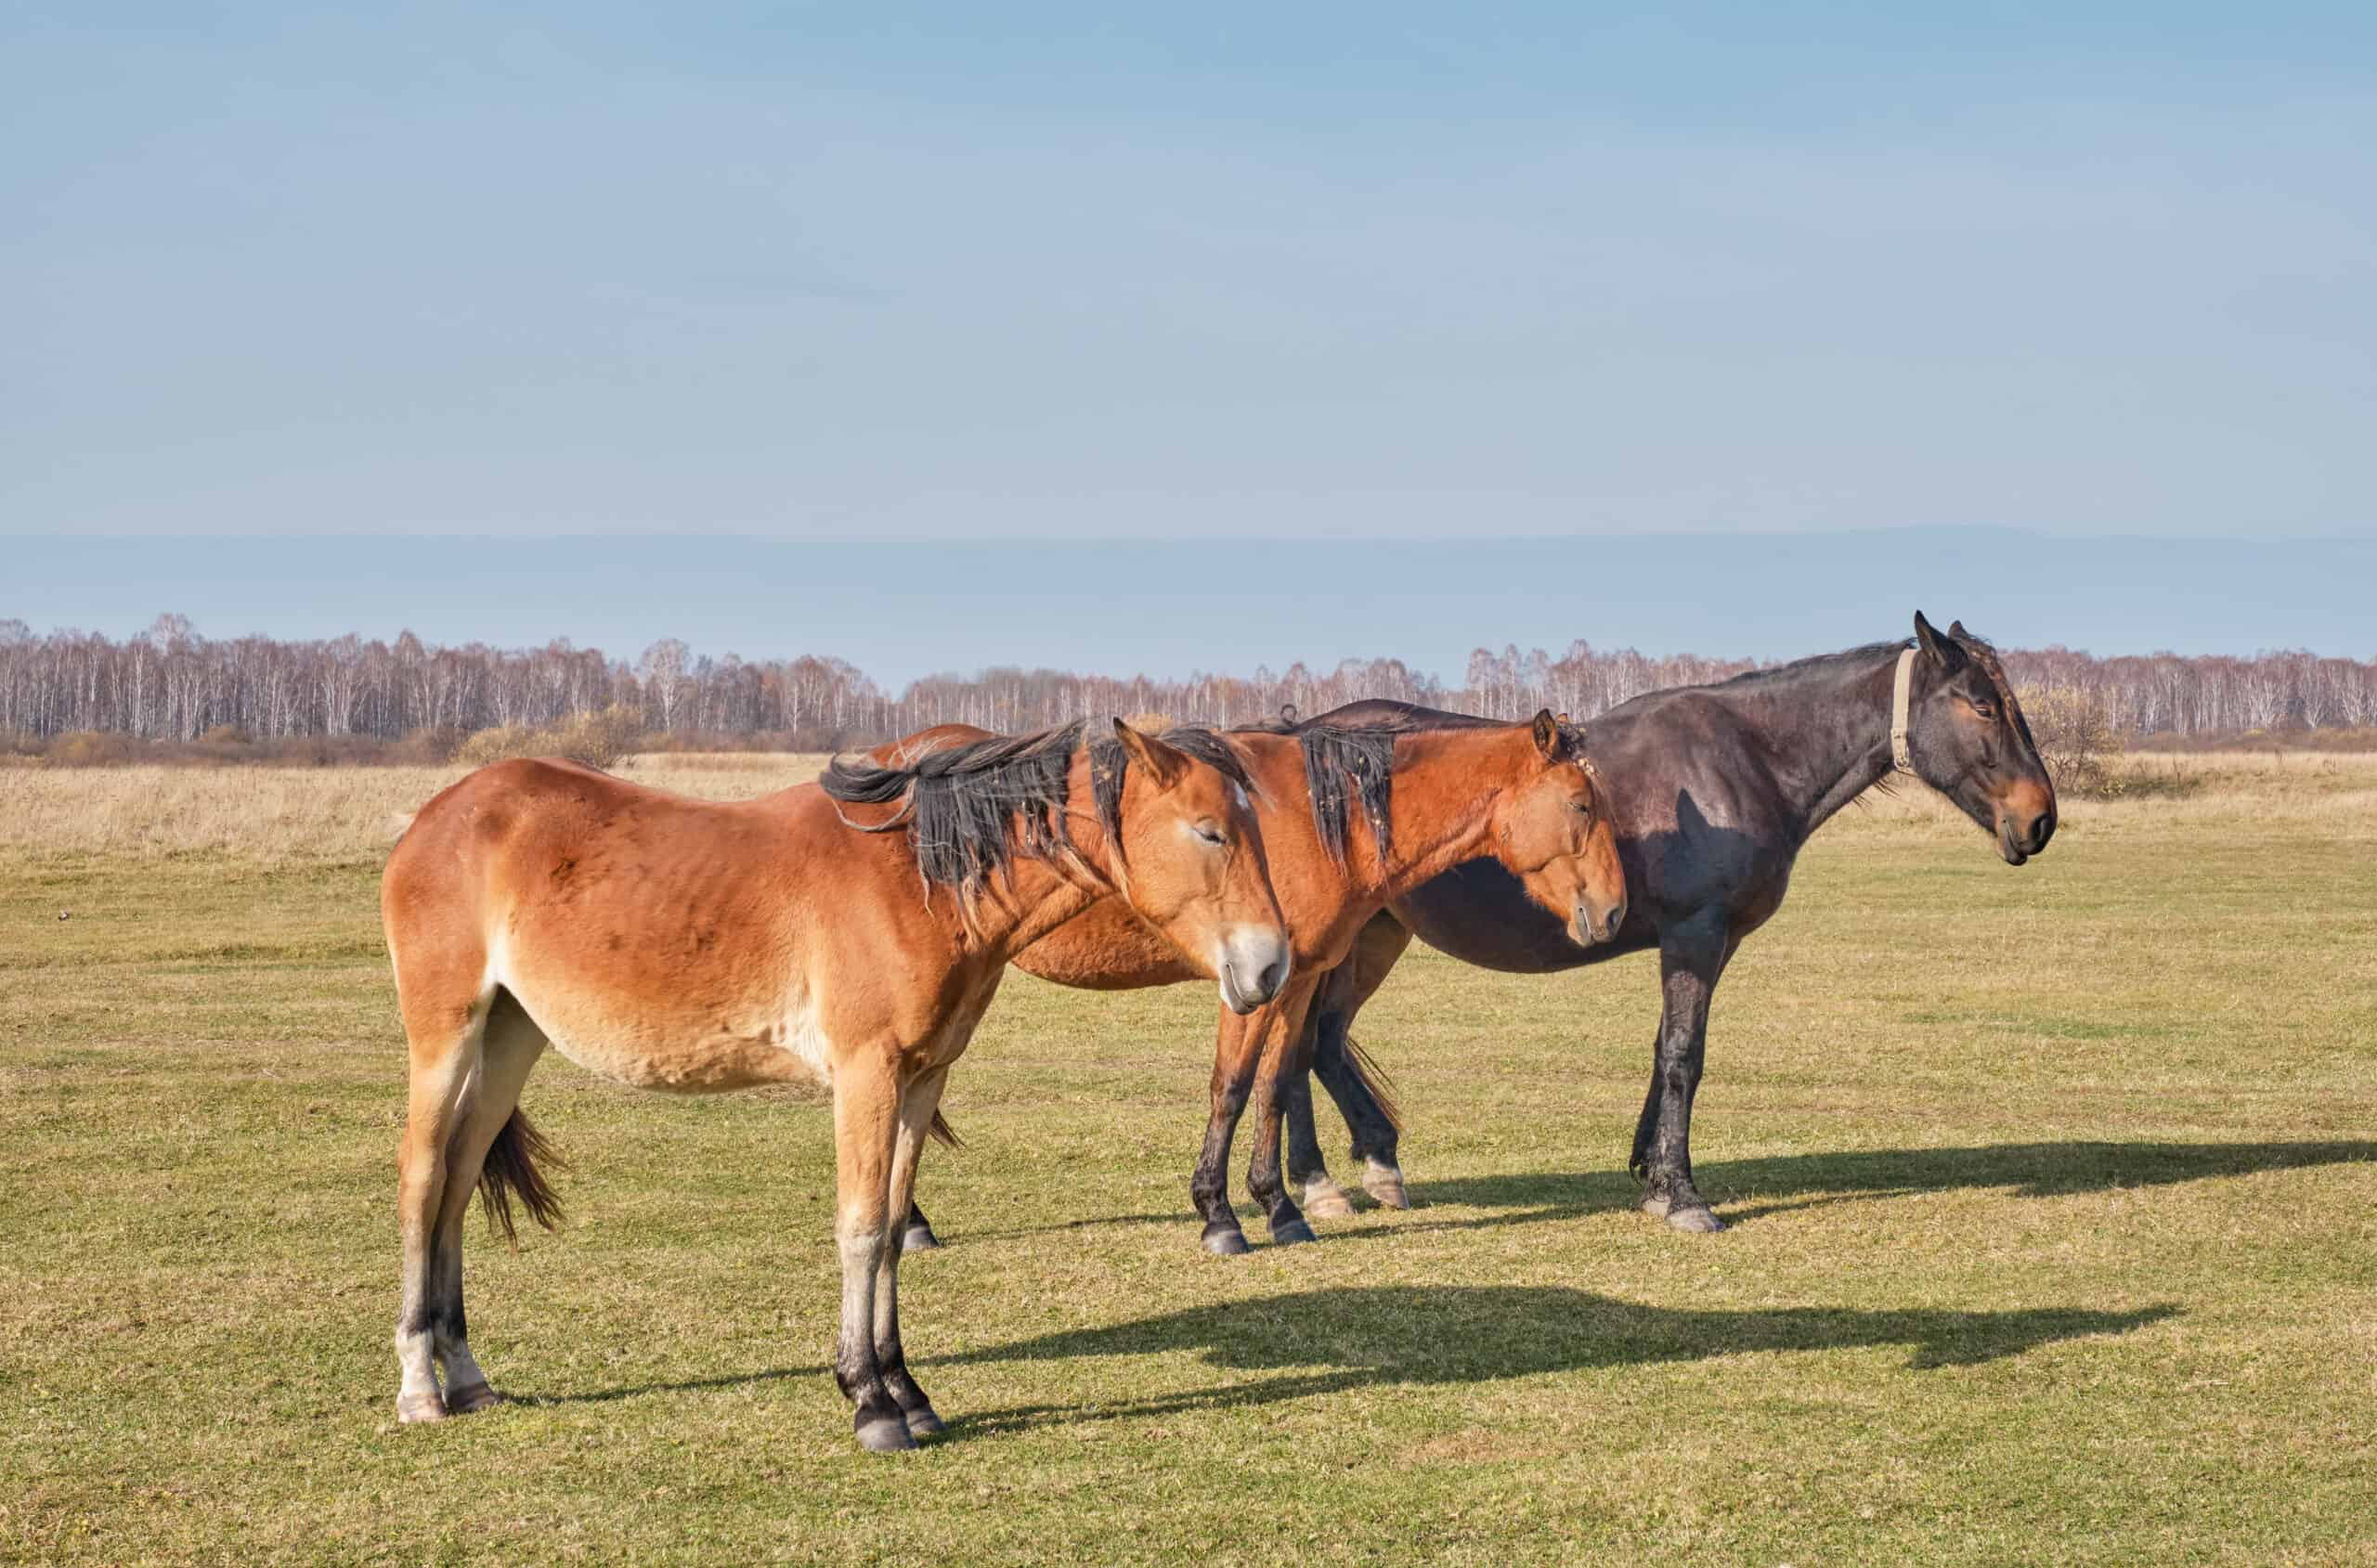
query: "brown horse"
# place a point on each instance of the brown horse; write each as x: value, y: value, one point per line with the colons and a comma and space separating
x: 694, y: 946
x: 1715, y: 789
x: 1353, y: 818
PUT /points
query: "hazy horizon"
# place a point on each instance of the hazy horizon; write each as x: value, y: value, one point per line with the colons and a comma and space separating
x: 1168, y: 608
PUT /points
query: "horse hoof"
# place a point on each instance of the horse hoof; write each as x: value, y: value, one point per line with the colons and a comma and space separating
x: 924, y: 1423
x: 1385, y: 1182
x: 1702, y: 1221
x: 1326, y: 1202
x: 473, y: 1396
x: 1655, y: 1205
x: 1225, y: 1242
x: 427, y: 1406
x: 918, y: 1238
x: 1291, y: 1234
x: 884, y: 1435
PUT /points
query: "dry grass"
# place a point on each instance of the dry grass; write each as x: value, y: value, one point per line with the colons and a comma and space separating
x: 2052, y: 1190
x: 278, y: 816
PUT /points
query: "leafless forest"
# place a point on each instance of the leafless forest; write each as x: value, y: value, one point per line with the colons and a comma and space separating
x: 172, y: 684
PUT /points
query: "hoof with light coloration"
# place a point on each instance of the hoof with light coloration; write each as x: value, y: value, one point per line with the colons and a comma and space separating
x: 884, y: 1435
x: 1291, y: 1234
x: 918, y: 1238
x: 1225, y: 1242
x: 475, y: 1396
x: 924, y: 1423
x: 1386, y: 1185
x: 427, y: 1406
x: 1702, y: 1221
x: 1326, y: 1202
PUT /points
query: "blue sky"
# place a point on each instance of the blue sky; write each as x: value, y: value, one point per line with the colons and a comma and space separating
x: 1248, y: 272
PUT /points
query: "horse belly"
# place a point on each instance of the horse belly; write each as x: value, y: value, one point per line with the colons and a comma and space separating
x: 692, y: 1055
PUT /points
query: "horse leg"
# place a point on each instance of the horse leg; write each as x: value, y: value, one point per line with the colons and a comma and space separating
x: 1370, y: 1116
x: 444, y: 1032
x: 917, y: 1236
x: 1308, y: 1172
x: 866, y: 1129
x: 1691, y: 959
x: 1237, y: 1049
x: 916, y: 1105
x: 509, y: 1049
x: 1281, y: 1024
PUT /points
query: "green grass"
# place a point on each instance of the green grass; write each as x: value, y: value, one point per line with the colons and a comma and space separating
x: 2053, y: 1194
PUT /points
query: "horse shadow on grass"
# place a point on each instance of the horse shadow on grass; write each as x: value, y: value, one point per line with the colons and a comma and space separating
x: 1786, y: 1183
x: 1327, y: 1341
x: 1330, y: 1340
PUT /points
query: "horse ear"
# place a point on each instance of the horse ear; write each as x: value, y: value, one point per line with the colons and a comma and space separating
x: 1547, y: 735
x: 1942, y: 650
x: 1166, y: 765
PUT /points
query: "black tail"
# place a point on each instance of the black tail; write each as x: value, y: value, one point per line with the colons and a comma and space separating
x: 945, y: 1133
x: 512, y: 1167
x: 1374, y: 1082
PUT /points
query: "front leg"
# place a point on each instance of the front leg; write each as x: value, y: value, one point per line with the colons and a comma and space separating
x: 1692, y: 957
x: 916, y: 1107
x: 1285, y: 1055
x: 1237, y: 1050
x: 867, y: 1136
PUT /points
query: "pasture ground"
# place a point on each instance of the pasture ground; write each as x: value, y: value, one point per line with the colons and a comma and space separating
x: 2054, y: 1237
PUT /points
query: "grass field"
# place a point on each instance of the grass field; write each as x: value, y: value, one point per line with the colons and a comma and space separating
x: 2053, y: 1191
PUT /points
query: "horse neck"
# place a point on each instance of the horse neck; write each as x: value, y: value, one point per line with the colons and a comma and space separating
x: 1040, y: 895
x: 1440, y: 807
x: 1827, y: 730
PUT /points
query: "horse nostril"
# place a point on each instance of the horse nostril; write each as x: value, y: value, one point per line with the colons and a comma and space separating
x: 1273, y: 977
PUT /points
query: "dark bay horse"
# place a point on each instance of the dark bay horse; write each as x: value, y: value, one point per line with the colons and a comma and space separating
x: 1715, y: 789
x: 1353, y: 818
x: 850, y: 932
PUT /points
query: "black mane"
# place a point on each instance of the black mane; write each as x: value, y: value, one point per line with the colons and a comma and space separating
x: 972, y: 811
x: 1349, y: 756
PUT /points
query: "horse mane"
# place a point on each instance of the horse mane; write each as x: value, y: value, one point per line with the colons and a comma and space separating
x: 1346, y: 761
x: 972, y: 811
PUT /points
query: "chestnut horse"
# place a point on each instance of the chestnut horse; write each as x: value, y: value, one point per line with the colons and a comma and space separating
x: 695, y: 946
x: 1353, y: 818
x: 1715, y: 788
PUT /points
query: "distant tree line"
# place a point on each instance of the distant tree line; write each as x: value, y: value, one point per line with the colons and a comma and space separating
x: 170, y: 683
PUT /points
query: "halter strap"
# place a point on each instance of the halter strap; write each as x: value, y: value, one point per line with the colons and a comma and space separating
x: 1901, y: 757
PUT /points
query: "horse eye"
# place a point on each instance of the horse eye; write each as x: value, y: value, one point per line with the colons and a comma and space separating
x: 1211, y: 834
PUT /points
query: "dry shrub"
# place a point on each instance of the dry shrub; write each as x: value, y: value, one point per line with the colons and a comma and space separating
x: 88, y: 748
x: 599, y: 739
x: 224, y: 735
x: 2076, y: 740
x: 1150, y: 722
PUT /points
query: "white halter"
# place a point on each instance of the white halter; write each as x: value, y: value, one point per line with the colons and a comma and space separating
x: 1901, y: 757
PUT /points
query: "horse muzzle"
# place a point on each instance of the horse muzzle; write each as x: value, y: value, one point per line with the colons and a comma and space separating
x: 1586, y: 929
x: 2019, y: 837
x: 1254, y: 964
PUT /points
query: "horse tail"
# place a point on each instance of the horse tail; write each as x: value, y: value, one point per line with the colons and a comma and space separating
x: 511, y: 1169
x: 944, y: 1133
x: 1374, y: 1082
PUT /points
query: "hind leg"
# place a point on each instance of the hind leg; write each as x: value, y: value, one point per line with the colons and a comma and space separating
x: 510, y: 1046
x: 445, y: 1051
x: 1339, y: 1063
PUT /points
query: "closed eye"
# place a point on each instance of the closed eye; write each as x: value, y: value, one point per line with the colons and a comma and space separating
x: 1210, y: 833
